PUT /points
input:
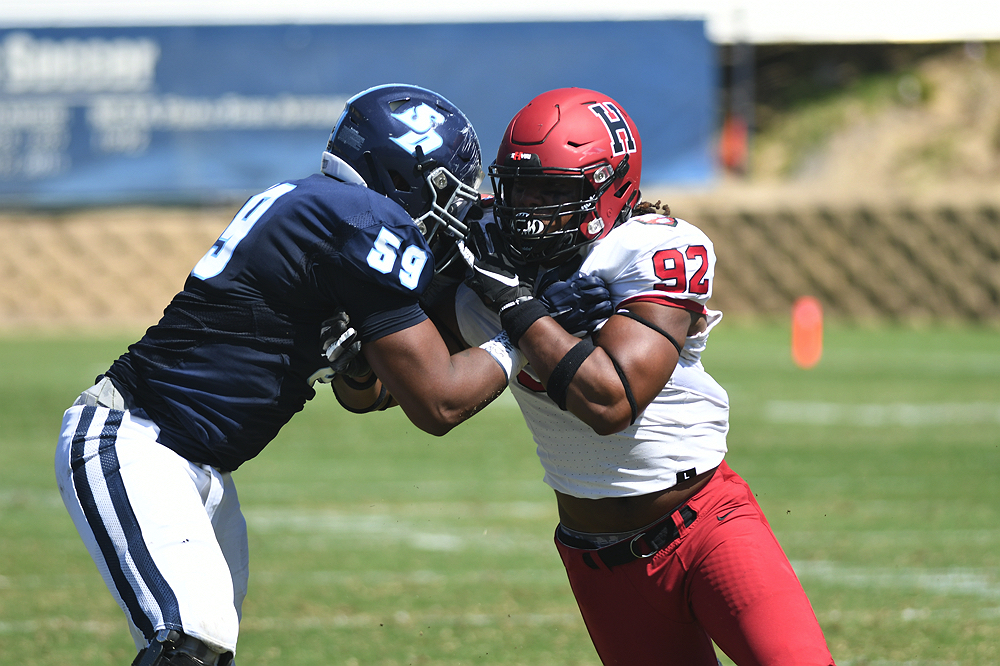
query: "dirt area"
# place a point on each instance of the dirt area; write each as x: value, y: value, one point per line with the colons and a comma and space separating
x: 99, y: 268
x: 933, y: 140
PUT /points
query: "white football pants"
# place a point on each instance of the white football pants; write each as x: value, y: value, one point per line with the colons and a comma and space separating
x: 167, y: 535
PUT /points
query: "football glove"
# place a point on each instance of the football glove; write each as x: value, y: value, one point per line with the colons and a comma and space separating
x: 578, y: 304
x: 342, y: 347
x: 493, y: 276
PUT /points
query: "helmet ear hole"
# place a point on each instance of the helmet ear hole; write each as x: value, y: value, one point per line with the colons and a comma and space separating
x: 379, y: 179
x: 399, y: 182
x: 630, y: 204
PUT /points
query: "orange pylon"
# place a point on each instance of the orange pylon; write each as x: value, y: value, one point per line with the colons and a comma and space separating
x: 807, y: 332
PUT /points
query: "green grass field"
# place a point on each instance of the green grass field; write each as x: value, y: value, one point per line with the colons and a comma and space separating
x: 373, y: 543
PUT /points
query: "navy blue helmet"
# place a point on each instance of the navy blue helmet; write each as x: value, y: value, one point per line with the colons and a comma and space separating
x: 418, y: 149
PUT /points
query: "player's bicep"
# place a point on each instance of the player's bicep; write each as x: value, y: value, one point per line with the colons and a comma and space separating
x: 645, y: 356
x: 408, y: 360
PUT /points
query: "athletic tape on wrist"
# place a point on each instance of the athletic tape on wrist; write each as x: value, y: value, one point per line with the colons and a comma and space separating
x: 517, y: 318
x: 566, y: 369
x: 510, y: 358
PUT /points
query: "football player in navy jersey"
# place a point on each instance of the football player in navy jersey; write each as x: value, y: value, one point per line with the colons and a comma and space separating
x: 145, y: 456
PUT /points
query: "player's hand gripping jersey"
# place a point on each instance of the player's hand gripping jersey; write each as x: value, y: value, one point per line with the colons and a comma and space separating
x: 650, y: 258
x: 234, y: 356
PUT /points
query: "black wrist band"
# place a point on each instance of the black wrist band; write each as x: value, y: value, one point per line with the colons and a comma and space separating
x: 380, y: 403
x: 518, y: 318
x: 566, y: 369
x: 360, y: 386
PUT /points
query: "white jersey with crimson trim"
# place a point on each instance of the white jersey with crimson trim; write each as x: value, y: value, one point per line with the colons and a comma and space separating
x: 682, y: 433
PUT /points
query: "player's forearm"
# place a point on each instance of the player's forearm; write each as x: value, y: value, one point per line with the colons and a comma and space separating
x: 436, y: 390
x: 593, y: 392
x: 471, y: 380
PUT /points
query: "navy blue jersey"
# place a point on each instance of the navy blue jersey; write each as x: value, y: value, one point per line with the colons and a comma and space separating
x: 230, y: 361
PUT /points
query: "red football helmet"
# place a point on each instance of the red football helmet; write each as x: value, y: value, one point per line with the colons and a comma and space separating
x: 566, y: 173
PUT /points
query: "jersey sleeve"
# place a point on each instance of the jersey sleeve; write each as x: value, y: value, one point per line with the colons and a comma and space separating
x: 380, y: 270
x: 657, y: 259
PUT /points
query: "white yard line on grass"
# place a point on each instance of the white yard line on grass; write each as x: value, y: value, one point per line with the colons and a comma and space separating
x: 962, y: 581
x: 407, y: 618
x: 441, y: 526
x: 894, y: 414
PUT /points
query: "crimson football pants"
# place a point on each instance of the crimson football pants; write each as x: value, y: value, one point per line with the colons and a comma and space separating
x: 724, y: 579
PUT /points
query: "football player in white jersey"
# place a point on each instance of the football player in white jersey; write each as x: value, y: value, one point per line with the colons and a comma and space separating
x: 665, y: 547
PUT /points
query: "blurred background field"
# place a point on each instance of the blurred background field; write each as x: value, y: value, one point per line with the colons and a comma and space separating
x: 373, y: 543
x: 869, y: 178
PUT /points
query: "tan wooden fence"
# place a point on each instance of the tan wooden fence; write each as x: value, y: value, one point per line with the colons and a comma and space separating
x: 865, y: 264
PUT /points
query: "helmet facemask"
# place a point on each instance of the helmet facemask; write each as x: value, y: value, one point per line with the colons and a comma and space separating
x: 551, y: 232
x: 444, y: 224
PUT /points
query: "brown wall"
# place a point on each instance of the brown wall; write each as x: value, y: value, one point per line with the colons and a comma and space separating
x: 863, y: 263
x: 108, y: 268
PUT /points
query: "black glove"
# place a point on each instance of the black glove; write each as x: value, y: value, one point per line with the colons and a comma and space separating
x: 342, y: 348
x: 579, y: 304
x: 495, y: 279
x: 494, y: 276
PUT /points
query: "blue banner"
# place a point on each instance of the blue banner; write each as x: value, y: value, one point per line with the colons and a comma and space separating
x: 168, y: 114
